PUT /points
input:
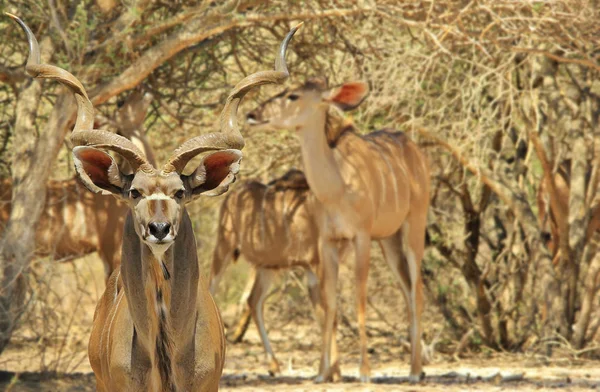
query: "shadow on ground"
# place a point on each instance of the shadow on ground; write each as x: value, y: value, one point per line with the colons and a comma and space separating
x: 46, y: 382
x: 452, y: 379
x: 80, y: 382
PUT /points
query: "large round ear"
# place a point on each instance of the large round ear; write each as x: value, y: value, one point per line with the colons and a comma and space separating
x: 215, y: 173
x: 349, y: 95
x: 98, y: 171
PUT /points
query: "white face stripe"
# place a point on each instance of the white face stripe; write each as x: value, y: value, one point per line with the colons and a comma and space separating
x: 158, y: 196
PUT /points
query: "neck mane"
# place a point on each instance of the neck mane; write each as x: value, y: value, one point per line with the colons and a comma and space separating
x: 161, y: 290
x: 336, y: 125
x: 157, y: 290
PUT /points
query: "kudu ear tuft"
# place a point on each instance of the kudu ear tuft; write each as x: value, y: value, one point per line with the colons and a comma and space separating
x: 97, y: 170
x: 349, y: 95
x: 215, y: 173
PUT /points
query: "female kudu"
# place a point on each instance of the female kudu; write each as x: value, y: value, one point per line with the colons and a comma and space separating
x: 272, y: 226
x: 366, y: 187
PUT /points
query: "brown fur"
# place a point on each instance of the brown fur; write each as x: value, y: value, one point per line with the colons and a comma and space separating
x: 373, y: 187
x: 337, y: 126
x: 293, y: 179
x: 172, y: 364
x: 94, y: 223
x: 164, y: 341
x: 272, y: 226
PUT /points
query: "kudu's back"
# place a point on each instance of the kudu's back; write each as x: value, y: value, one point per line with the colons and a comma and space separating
x: 271, y: 225
x: 399, y: 175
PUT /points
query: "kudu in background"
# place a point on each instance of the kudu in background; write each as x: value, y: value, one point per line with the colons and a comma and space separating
x: 556, y: 214
x: 272, y: 226
x: 156, y: 327
x: 366, y: 187
x: 75, y: 222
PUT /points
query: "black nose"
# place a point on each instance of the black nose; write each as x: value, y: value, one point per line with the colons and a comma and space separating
x: 159, y: 229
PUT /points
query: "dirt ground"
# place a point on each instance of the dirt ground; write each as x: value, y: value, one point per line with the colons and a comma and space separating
x: 245, y: 370
x: 298, y: 354
x: 43, y: 357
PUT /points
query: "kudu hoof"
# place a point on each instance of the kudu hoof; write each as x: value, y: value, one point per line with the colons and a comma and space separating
x: 274, y: 369
x: 416, y: 378
x: 331, y: 375
x: 234, y: 338
x: 365, y: 373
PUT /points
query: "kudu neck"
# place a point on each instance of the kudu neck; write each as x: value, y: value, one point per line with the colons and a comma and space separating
x: 161, y: 289
x: 320, y: 166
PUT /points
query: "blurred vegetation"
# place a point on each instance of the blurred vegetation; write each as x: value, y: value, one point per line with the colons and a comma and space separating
x: 502, y: 95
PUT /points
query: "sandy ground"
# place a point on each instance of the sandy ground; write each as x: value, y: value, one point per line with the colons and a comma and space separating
x: 296, y: 342
x: 246, y: 368
x: 243, y: 372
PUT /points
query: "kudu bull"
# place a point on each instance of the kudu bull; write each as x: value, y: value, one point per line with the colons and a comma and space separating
x: 75, y: 222
x: 365, y: 187
x: 156, y: 327
x: 272, y: 226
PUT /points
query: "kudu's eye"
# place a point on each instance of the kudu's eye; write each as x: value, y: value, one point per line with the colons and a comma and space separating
x: 134, y: 193
x: 179, y: 194
x: 293, y: 97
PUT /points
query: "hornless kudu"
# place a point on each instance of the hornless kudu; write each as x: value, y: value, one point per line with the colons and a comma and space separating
x: 75, y: 222
x: 366, y: 187
x: 272, y: 226
x: 156, y: 327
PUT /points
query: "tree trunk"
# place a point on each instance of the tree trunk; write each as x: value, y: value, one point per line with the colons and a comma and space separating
x: 31, y: 166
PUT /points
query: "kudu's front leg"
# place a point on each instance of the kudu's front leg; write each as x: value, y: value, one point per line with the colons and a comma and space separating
x: 237, y: 333
x: 329, y: 268
x: 256, y: 301
x: 362, y: 247
x: 314, y: 293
